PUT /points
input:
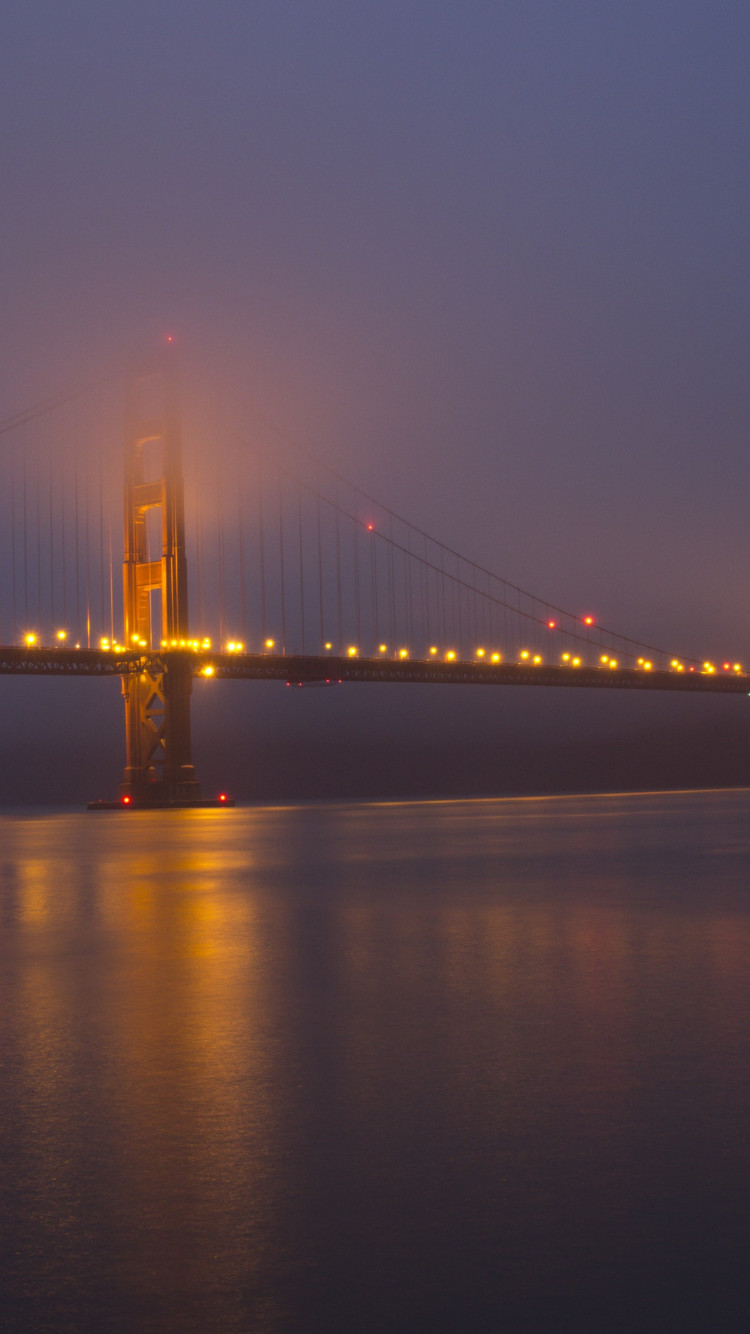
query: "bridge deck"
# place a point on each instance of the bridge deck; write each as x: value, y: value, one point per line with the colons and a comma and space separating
x: 302, y: 670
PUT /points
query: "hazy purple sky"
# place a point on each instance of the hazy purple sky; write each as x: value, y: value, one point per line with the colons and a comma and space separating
x: 490, y: 259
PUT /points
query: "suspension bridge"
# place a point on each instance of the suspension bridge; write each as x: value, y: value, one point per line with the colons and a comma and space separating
x: 295, y: 575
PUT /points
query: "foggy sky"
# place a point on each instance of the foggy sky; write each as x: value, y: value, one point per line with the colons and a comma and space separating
x: 490, y: 260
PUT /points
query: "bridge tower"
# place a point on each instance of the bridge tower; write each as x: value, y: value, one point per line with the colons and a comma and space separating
x: 159, y: 769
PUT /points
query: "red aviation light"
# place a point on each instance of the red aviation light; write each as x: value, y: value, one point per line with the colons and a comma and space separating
x: 551, y: 625
x: 588, y: 620
x: 370, y: 527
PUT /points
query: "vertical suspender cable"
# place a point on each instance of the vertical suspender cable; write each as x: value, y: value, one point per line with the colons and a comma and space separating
x: 241, y: 538
x: 194, y: 575
x: 101, y: 542
x: 88, y: 579
x: 426, y: 571
x: 338, y: 573
x: 281, y: 565
x: 391, y: 586
x: 25, y: 545
x: 38, y: 545
x: 301, y: 565
x: 111, y: 584
x: 357, y: 615
x: 262, y: 558
x: 374, y: 588
x: 13, y: 630
x: 320, y: 575
x: 408, y: 572
x: 459, y: 586
x: 520, y: 625
x: 222, y: 609
x: 200, y: 544
x: 63, y: 536
x: 424, y: 635
x: 77, y: 546
x: 51, y: 546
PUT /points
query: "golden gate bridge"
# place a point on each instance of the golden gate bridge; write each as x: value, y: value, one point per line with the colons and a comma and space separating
x: 295, y: 575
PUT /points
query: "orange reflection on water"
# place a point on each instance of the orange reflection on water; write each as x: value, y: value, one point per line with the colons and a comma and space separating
x: 143, y: 1029
x: 232, y: 1031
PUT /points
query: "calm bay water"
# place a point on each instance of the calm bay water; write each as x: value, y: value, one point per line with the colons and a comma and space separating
x: 466, y: 1066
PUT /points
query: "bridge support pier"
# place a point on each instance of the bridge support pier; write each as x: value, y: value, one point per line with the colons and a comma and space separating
x: 159, y: 769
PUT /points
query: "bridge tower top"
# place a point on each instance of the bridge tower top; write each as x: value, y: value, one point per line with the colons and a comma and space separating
x: 153, y: 480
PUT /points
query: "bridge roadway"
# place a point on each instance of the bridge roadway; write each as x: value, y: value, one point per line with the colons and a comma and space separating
x: 305, y: 670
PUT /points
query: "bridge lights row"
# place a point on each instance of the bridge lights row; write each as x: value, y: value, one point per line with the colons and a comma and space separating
x: 31, y: 640
x: 195, y: 644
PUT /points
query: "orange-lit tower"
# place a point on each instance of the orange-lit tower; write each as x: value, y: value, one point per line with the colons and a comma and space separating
x: 159, y: 769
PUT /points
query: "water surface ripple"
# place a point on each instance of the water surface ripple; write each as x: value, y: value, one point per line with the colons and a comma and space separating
x: 454, y: 1066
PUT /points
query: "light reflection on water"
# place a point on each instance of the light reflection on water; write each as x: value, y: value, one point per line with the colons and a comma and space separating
x: 443, y: 1066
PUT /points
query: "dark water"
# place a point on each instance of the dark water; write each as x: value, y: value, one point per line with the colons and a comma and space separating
x: 467, y: 1066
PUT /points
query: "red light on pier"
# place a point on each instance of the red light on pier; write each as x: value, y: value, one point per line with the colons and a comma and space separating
x: 222, y: 796
x: 126, y: 801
